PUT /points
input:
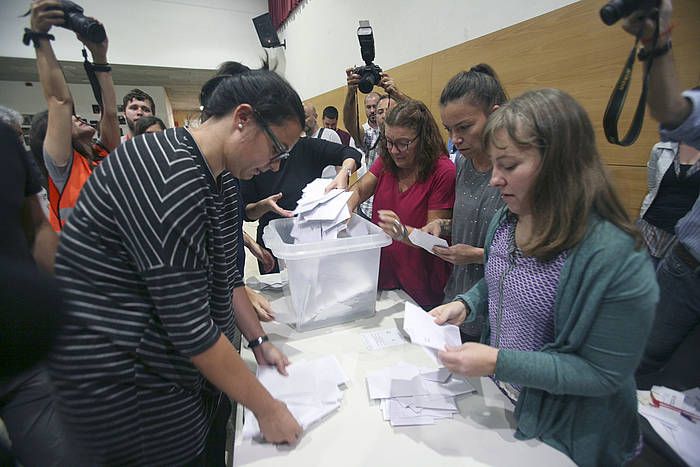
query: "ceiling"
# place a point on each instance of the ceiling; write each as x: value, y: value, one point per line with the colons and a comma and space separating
x: 181, y: 85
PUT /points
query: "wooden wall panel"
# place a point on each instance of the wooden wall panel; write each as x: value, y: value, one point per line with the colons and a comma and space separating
x: 631, y: 184
x: 571, y: 49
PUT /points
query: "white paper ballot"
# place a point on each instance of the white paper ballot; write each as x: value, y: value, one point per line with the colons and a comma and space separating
x: 409, y: 397
x: 410, y: 387
x: 310, y: 391
x: 426, y: 240
x: 423, y: 330
x: 440, y: 375
x: 435, y: 401
x: 454, y: 387
x: 383, y: 338
x: 379, y: 382
x: 320, y: 215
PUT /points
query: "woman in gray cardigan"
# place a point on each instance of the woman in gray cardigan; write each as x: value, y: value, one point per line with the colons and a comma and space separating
x: 568, y: 294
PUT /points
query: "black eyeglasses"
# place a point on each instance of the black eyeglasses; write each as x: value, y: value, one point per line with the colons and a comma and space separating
x: 280, y: 149
x: 401, y: 145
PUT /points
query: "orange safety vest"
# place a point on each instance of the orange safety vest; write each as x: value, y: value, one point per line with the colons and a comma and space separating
x: 61, y: 203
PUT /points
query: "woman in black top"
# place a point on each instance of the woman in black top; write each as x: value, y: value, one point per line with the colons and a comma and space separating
x: 273, y: 195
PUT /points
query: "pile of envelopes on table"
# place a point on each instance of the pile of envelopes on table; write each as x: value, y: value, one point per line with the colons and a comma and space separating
x: 411, y: 395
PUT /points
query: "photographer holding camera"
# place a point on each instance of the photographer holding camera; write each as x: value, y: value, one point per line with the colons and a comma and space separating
x: 669, y: 357
x: 66, y: 139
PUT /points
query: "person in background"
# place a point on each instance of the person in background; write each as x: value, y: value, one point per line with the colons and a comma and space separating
x: 137, y: 104
x: 673, y: 176
x: 11, y: 118
x: 413, y: 183
x: 70, y: 154
x: 569, y: 291
x: 149, y: 268
x: 274, y: 195
x: 330, y: 121
x: 312, y: 129
x: 465, y: 103
x: 148, y: 125
x: 670, y: 357
x: 30, y: 313
x: 384, y: 105
x: 36, y: 159
x: 367, y: 134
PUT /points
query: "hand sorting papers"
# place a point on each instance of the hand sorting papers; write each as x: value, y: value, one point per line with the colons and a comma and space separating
x: 414, y: 396
x: 320, y: 215
x: 310, y: 391
x: 423, y: 331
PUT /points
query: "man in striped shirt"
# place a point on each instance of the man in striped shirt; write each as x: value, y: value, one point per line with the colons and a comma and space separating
x: 148, y: 263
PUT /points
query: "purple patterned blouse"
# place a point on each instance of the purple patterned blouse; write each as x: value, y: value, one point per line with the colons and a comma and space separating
x: 522, y: 291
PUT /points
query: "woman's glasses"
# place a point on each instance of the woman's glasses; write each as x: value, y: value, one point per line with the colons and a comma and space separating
x: 401, y: 145
x: 281, y: 151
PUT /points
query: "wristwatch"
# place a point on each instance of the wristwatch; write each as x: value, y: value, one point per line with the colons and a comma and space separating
x: 256, y: 342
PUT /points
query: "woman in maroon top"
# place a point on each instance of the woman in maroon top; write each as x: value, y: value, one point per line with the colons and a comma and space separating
x: 413, y: 183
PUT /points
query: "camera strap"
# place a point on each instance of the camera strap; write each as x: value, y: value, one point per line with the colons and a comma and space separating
x: 94, y: 83
x: 619, y: 94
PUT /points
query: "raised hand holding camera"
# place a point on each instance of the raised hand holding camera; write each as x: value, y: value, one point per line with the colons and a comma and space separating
x: 370, y: 74
x: 74, y: 20
x: 44, y: 15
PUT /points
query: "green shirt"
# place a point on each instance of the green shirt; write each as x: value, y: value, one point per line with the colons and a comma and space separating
x: 579, y: 394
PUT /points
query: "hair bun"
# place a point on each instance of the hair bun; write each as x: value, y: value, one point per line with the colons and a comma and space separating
x: 231, y: 68
x: 483, y: 68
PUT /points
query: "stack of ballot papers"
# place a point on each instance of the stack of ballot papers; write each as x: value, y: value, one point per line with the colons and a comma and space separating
x: 310, y: 391
x: 320, y: 215
x: 410, y: 395
x: 674, y: 418
x: 421, y: 327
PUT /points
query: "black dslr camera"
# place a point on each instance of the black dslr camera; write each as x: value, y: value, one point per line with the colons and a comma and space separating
x: 615, y: 10
x: 77, y: 22
x: 370, y: 74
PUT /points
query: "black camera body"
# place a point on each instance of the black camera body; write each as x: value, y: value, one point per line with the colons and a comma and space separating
x: 76, y: 21
x: 370, y: 74
x: 615, y: 10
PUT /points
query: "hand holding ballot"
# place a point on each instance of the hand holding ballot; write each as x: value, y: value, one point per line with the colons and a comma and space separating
x: 459, y: 253
x: 423, y: 330
x: 469, y: 359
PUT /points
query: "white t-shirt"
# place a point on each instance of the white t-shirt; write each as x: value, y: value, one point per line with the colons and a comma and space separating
x: 329, y: 135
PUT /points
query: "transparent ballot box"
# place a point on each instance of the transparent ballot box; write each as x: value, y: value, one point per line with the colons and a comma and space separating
x: 329, y: 281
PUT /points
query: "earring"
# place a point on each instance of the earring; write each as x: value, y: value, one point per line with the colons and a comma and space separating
x: 240, y: 126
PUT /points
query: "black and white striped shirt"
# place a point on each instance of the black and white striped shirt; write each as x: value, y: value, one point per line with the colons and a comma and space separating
x: 148, y: 265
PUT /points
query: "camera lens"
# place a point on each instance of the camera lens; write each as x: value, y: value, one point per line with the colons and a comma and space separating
x: 366, y: 84
x: 610, y: 13
x: 87, y: 27
x: 615, y: 10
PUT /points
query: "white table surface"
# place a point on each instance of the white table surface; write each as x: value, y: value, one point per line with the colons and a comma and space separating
x: 357, y: 435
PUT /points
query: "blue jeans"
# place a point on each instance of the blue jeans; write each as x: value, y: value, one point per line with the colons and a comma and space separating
x: 677, y: 320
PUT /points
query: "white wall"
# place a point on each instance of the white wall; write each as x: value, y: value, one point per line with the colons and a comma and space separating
x: 322, y: 34
x: 172, y: 33
x: 30, y: 99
